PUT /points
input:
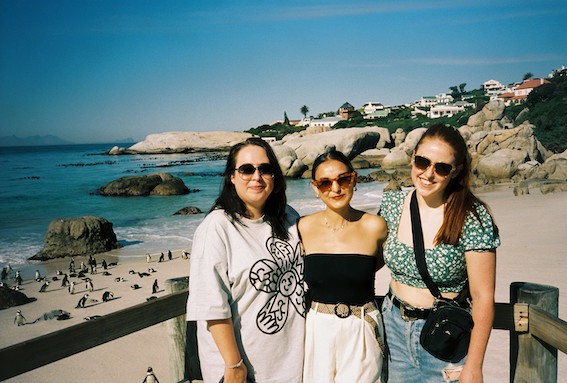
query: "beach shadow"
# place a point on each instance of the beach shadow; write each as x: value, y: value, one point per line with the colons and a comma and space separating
x: 92, y: 304
x: 113, y: 299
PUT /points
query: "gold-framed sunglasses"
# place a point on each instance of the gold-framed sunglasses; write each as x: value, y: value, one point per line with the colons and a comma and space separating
x: 325, y: 184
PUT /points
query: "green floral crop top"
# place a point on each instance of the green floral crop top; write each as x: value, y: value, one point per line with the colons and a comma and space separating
x: 445, y: 263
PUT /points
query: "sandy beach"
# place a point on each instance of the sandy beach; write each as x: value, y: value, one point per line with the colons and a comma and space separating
x: 533, y: 239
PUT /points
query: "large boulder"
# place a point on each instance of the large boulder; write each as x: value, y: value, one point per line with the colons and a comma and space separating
x: 179, y: 142
x: 502, y: 164
x: 162, y: 184
x: 555, y: 167
x: 395, y: 159
x: 290, y: 165
x: 401, y: 155
x: 482, y: 120
x: 351, y: 142
x: 9, y: 298
x: 77, y: 236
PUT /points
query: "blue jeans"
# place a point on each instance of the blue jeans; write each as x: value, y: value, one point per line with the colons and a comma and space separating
x: 407, y: 361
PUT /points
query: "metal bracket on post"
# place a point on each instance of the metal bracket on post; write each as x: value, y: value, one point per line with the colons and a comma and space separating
x: 521, y: 317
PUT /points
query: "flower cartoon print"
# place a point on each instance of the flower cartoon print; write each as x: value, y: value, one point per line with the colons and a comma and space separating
x: 282, y: 277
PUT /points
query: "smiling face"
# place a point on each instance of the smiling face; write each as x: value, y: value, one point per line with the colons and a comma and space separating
x: 429, y: 184
x: 337, y: 196
x: 253, y: 190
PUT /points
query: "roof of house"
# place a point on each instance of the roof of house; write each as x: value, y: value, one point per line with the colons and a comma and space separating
x: 346, y: 105
x: 532, y: 83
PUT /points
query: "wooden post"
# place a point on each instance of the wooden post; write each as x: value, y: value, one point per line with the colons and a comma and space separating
x: 531, y: 360
x: 176, y: 329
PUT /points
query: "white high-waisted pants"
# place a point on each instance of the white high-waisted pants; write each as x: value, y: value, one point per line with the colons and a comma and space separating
x: 343, y: 350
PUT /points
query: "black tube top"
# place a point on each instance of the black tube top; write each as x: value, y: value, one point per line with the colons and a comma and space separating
x: 340, y: 278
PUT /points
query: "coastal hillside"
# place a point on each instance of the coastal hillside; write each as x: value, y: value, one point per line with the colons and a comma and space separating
x: 545, y: 108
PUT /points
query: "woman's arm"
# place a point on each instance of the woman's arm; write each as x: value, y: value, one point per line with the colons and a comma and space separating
x: 481, y: 270
x: 223, y: 335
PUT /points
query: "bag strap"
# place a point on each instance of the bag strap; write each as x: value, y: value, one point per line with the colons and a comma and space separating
x: 419, y: 247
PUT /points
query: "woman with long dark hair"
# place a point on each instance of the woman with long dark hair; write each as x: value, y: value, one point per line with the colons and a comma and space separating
x: 246, y: 277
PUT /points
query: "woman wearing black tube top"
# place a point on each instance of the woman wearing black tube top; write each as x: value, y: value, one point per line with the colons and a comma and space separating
x: 343, y: 251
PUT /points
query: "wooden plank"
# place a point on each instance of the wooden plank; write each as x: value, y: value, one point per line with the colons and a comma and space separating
x: 20, y: 358
x: 548, y: 328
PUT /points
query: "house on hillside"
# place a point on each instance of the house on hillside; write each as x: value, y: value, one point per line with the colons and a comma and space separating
x: 345, y: 110
x: 426, y: 101
x: 521, y: 92
x: 326, y: 122
x: 494, y: 89
x: 374, y: 110
x: 444, y: 110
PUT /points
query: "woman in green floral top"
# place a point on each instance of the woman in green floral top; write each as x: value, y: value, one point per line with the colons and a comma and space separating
x: 460, y: 241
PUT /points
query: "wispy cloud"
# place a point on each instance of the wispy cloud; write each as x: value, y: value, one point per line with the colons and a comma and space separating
x: 464, y: 61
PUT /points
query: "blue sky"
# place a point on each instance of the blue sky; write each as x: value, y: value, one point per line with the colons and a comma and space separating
x: 103, y: 70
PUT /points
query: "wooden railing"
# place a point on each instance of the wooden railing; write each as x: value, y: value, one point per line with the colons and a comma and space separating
x: 536, y: 333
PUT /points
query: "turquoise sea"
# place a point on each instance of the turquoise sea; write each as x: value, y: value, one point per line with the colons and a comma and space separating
x: 43, y: 183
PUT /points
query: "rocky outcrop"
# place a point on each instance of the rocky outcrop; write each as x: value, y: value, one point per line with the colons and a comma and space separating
x: 297, y: 153
x: 10, y: 298
x: 188, y: 210
x: 162, y: 184
x: 77, y: 236
x: 401, y: 154
x: 182, y: 142
x: 500, y: 151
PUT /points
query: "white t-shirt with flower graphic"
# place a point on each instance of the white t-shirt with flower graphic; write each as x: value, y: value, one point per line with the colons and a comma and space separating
x: 242, y: 271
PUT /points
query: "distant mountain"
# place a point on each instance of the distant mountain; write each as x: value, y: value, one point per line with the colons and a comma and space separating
x: 36, y: 140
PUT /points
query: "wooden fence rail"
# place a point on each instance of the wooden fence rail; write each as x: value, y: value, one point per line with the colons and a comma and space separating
x: 37, y: 352
x: 26, y: 356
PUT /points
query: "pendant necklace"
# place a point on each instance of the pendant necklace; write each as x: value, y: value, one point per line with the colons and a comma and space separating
x: 334, y: 229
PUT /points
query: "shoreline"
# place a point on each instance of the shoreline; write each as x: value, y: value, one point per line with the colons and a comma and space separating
x: 532, y: 251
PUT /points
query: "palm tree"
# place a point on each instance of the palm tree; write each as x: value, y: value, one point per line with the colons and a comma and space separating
x: 527, y: 76
x: 304, y: 110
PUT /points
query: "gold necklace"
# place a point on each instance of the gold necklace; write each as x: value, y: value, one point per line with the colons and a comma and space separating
x: 334, y: 229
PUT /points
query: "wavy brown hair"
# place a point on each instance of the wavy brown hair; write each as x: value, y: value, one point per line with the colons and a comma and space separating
x: 458, y: 196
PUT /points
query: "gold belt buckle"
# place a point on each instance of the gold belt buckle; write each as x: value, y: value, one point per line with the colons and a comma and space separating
x: 342, y: 310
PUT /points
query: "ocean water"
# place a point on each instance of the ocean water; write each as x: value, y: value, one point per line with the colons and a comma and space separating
x: 44, y: 183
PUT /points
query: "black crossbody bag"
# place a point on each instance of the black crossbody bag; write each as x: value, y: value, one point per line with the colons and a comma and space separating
x: 447, y: 330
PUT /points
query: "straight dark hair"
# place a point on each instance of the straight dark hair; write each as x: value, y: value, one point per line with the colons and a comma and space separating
x: 331, y: 154
x: 275, y: 207
x: 459, y: 197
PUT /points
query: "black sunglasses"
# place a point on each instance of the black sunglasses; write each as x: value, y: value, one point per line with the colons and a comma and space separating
x: 441, y: 168
x: 325, y: 184
x: 246, y: 171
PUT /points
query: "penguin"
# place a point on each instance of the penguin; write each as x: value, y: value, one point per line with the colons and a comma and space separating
x: 20, y: 320
x: 44, y: 287
x: 82, y: 301
x: 150, y: 377
x: 107, y: 296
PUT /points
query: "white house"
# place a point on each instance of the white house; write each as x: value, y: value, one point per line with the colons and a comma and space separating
x: 427, y: 101
x: 326, y: 122
x: 375, y: 110
x: 444, y: 110
x: 444, y: 99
